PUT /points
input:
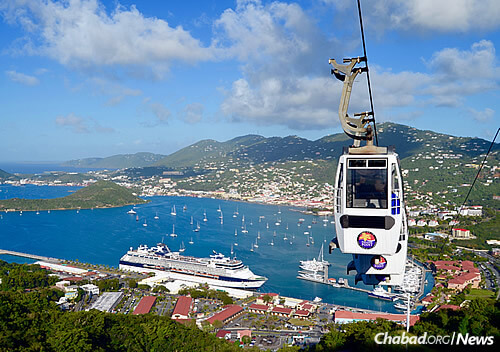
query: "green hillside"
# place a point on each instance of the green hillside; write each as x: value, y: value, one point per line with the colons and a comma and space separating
x: 5, y: 175
x: 117, y: 161
x: 207, y: 151
x: 102, y: 194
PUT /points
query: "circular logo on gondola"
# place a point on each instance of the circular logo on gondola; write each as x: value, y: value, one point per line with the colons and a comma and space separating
x: 367, y: 240
x: 378, y: 262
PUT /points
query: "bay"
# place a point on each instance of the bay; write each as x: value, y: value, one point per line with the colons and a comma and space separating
x: 102, y: 236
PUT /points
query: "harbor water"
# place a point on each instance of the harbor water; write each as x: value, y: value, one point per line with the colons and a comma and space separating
x: 102, y: 236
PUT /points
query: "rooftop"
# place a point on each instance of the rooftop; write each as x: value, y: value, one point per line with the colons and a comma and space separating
x: 145, y: 305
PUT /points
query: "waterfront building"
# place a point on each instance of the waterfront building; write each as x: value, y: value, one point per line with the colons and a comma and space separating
x: 282, y: 312
x: 258, y: 308
x: 182, y: 308
x: 460, y: 282
x: 343, y: 316
x: 229, y: 313
x: 107, y: 301
x: 145, y: 305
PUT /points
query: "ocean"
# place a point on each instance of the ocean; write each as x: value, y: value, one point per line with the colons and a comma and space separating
x: 102, y: 236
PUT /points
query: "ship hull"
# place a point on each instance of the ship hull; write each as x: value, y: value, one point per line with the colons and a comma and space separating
x: 200, y: 278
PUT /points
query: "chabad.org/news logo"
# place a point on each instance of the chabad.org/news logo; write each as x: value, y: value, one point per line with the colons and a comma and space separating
x: 383, y: 338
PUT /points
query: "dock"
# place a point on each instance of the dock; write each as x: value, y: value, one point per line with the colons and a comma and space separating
x: 30, y: 256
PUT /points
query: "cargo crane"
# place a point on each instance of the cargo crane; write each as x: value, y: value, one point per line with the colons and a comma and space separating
x: 370, y: 216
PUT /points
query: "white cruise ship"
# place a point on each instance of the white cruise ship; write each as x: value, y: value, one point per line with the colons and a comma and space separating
x: 217, y: 270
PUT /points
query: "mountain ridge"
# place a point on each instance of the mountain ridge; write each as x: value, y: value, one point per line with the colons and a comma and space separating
x: 255, y: 149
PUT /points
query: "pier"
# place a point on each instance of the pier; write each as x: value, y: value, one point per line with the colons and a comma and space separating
x: 30, y: 256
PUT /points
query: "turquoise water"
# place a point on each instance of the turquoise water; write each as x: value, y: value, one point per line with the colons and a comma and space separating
x: 102, y: 236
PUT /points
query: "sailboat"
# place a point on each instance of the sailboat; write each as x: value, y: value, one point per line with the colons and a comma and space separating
x: 137, y: 218
x: 145, y: 224
x: 191, y: 241
x: 285, y: 238
x: 191, y: 221
x: 173, y: 212
x: 258, y: 235
x: 274, y: 234
x: 256, y: 245
x: 272, y: 242
x: 221, y: 219
x: 205, y: 216
x: 219, y: 210
x: 37, y: 212
x: 184, y: 208
x: 232, y: 251
x: 235, y: 232
x: 308, y: 244
x: 182, y: 248
x: 156, y: 216
x: 251, y: 249
x: 173, y: 234
x: 244, y: 229
x: 197, y: 229
x: 235, y: 214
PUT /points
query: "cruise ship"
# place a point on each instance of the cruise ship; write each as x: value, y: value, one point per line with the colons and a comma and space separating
x: 217, y: 270
x: 380, y: 293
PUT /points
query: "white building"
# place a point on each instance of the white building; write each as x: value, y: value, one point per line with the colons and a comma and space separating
x: 91, y: 288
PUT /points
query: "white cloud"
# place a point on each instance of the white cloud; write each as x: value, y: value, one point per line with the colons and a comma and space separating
x: 81, y: 33
x: 75, y: 123
x: 193, y: 113
x: 116, y: 92
x: 81, y: 125
x: 445, y: 16
x: 22, y: 78
x: 298, y: 103
x: 482, y: 116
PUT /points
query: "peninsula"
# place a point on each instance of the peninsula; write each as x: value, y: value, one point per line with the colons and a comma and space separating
x: 101, y: 194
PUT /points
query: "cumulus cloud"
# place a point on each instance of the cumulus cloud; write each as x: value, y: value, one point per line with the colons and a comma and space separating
x: 445, y: 16
x: 81, y: 125
x: 22, y: 78
x: 81, y: 33
x: 297, y: 103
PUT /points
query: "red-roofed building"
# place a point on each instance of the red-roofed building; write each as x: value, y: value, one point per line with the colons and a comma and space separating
x: 223, y: 334
x: 427, y: 300
x: 282, y: 312
x: 182, y: 308
x: 462, y: 281
x: 230, y: 312
x: 300, y: 313
x: 449, y: 306
x: 74, y: 278
x: 258, y: 308
x: 460, y: 233
x: 343, y: 316
x: 467, y: 264
x: 145, y: 305
x: 274, y: 298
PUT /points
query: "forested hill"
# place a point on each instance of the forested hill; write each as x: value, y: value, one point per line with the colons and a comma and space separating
x: 255, y: 149
x: 117, y: 161
x: 5, y: 175
x: 101, y: 194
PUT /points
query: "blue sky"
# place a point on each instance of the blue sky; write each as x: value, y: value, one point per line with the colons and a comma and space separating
x: 98, y: 78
